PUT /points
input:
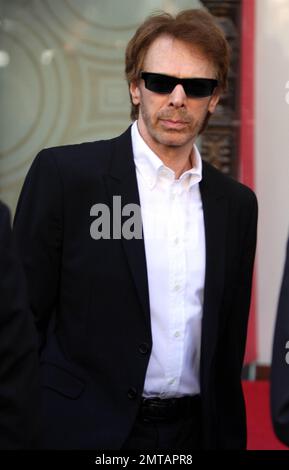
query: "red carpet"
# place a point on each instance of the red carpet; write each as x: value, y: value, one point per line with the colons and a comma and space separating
x: 260, y: 431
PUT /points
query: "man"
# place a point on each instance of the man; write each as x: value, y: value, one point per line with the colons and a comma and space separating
x: 149, y: 329
x: 280, y: 362
x: 19, y: 380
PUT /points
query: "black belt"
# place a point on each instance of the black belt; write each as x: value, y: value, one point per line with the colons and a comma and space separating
x: 159, y: 409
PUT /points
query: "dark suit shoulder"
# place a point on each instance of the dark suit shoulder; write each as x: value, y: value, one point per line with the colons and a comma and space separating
x: 227, y: 186
x: 71, y: 167
x: 86, y: 163
x: 5, y: 228
x: 4, y: 212
x: 87, y: 154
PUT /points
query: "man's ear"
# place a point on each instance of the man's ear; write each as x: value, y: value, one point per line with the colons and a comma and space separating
x: 214, y: 100
x: 134, y: 92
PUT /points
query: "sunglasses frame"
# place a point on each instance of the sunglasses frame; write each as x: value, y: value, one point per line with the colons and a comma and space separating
x: 185, y: 82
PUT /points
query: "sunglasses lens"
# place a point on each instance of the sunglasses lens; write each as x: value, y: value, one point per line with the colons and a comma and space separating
x: 158, y: 83
x: 194, y: 87
x: 200, y: 87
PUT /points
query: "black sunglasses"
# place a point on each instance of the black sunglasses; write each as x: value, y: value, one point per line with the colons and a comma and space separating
x: 193, y: 87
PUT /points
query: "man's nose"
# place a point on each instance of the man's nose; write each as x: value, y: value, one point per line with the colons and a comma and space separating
x: 178, y: 97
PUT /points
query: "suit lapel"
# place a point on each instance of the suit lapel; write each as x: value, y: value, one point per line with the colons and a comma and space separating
x: 215, y: 207
x: 122, y: 182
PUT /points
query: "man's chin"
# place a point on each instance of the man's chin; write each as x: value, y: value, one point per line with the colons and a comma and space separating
x: 176, y: 140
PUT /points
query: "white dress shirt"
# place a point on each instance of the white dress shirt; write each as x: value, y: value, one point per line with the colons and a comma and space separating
x: 174, y: 238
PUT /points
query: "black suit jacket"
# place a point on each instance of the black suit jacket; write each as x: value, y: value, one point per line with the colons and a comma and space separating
x: 19, y: 380
x: 95, y: 359
x: 280, y: 362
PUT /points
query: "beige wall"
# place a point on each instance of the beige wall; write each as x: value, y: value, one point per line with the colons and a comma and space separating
x: 272, y: 160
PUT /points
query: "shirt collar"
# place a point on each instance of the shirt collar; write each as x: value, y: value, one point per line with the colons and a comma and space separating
x: 150, y: 165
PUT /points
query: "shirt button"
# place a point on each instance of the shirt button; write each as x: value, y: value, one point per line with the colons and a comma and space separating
x: 176, y: 241
x: 143, y: 348
x: 172, y: 381
x: 177, y: 334
x: 132, y: 393
x: 177, y: 287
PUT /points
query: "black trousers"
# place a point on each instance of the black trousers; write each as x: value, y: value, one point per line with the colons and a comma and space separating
x: 171, y: 428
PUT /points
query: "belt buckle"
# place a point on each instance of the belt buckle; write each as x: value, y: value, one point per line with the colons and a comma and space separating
x: 156, y: 409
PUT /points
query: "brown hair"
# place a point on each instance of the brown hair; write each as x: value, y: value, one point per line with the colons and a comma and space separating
x: 195, y: 27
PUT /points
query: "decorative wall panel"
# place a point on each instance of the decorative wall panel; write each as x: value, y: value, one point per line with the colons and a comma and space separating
x: 220, y: 142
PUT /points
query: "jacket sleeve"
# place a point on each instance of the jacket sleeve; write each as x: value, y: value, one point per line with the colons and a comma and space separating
x: 19, y: 380
x: 280, y: 362
x: 231, y: 350
x: 38, y: 232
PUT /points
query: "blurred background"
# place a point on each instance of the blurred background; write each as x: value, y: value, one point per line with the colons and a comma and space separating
x: 62, y: 81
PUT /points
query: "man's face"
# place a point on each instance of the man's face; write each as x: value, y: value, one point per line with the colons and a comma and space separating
x: 172, y: 120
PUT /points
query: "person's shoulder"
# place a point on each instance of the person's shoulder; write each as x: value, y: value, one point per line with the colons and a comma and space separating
x: 4, y: 212
x: 228, y: 186
x: 5, y: 225
x: 81, y: 153
x: 80, y: 158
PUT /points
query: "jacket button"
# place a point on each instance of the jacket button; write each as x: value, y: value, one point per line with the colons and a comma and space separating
x: 132, y: 393
x: 143, y: 348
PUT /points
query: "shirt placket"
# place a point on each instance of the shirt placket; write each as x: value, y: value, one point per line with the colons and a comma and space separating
x: 176, y: 251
